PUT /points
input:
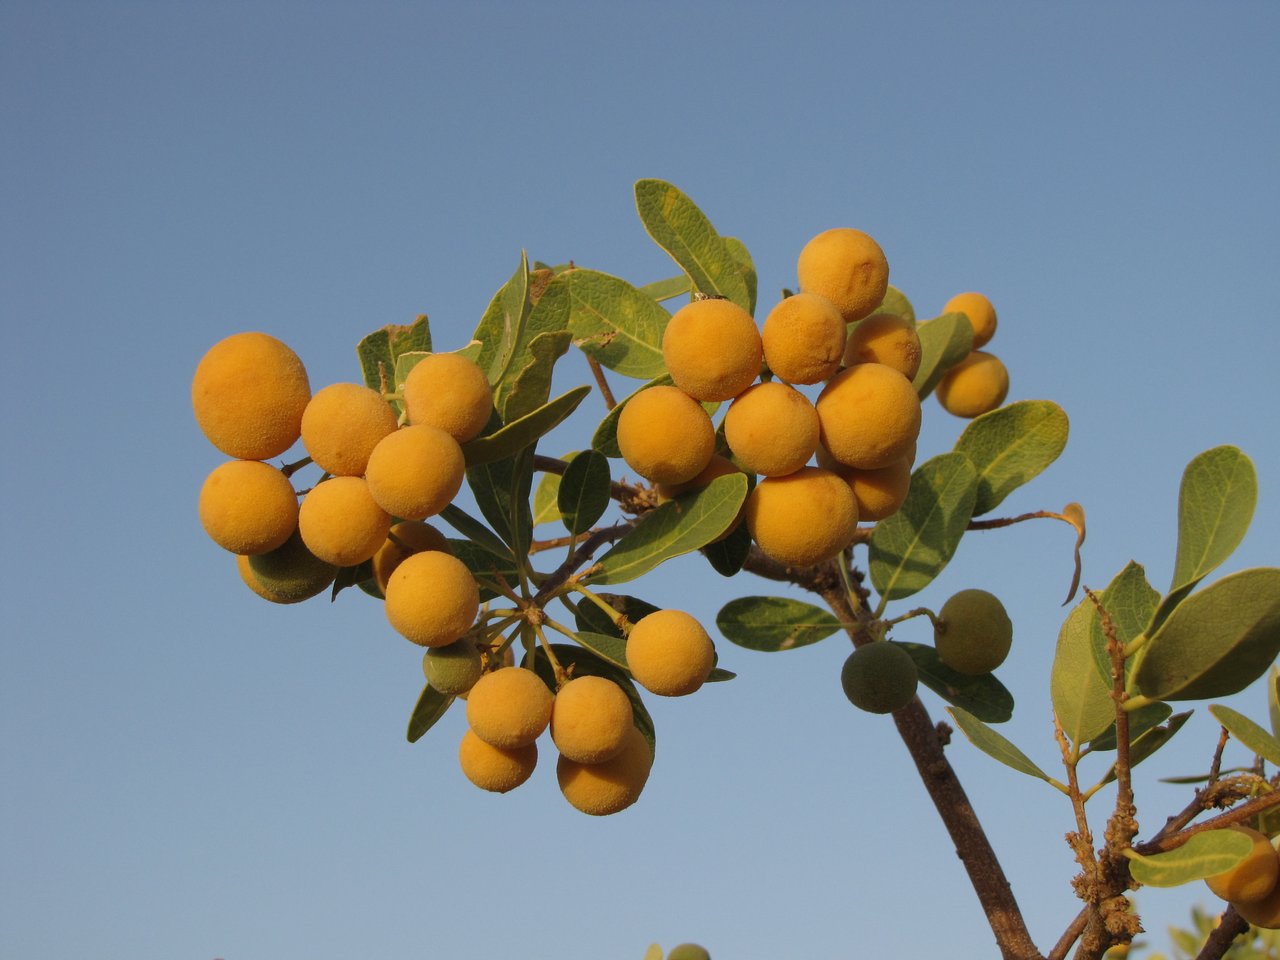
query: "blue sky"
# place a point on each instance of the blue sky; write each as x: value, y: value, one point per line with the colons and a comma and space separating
x: 191, y: 773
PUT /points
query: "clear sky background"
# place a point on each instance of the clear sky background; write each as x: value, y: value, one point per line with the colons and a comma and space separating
x: 191, y: 773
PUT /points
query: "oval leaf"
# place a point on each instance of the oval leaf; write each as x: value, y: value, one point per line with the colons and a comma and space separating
x: 994, y: 744
x: 546, y: 508
x: 591, y: 618
x: 944, y: 342
x: 584, y: 491
x: 1249, y: 733
x: 1011, y: 445
x: 1150, y: 741
x: 502, y: 325
x: 896, y: 303
x: 616, y: 324
x: 728, y: 555
x: 379, y: 351
x: 609, y: 648
x: 668, y: 289
x: 1130, y: 601
x: 1081, y: 701
x: 774, y: 623
x: 985, y: 697
x: 431, y: 706
x: 515, y: 436
x: 738, y: 250
x: 1145, y: 718
x: 1203, y: 855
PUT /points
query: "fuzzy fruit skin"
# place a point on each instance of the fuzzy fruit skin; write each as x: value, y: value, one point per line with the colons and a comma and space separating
x: 1254, y: 877
x: 341, y: 426
x: 879, y: 493
x: 772, y: 429
x: 870, y: 416
x: 601, y: 789
x: 848, y: 268
x: 887, y: 339
x: 804, y: 339
x: 979, y: 311
x: 590, y: 719
x: 415, y: 536
x: 416, y: 472
x: 880, y: 677
x: 803, y: 518
x: 975, y: 633
x: 509, y: 707
x: 454, y: 669
x: 248, y: 395
x: 432, y: 599
x: 450, y: 392
x: 974, y: 386
x: 288, y: 574
x: 340, y: 522
x: 1262, y: 913
x: 712, y: 349
x: 665, y: 436
x: 248, y: 507
x: 717, y: 467
x: 669, y: 653
x: 688, y: 951
x: 494, y: 768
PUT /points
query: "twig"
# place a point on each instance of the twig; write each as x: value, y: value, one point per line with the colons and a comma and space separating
x: 601, y: 382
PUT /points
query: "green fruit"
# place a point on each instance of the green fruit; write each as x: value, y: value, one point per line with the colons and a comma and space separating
x: 688, y: 951
x: 879, y: 678
x: 973, y: 633
x: 289, y: 573
x: 453, y: 669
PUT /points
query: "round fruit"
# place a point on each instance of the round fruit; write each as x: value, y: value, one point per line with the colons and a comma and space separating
x: 880, y: 677
x: 289, y: 573
x: 590, y: 718
x: 980, y: 313
x: 977, y: 384
x: 1263, y: 913
x: 248, y: 394
x: 604, y: 788
x: 454, y: 669
x: 340, y: 522
x: 803, y: 339
x: 870, y: 416
x: 887, y: 339
x: 432, y: 599
x: 718, y: 467
x: 712, y: 349
x: 803, y: 518
x: 509, y: 707
x: 248, y: 507
x: 974, y: 633
x: 665, y: 436
x: 405, y: 539
x: 879, y: 493
x: 669, y: 653
x: 495, y: 768
x: 1253, y: 877
x: 688, y: 951
x: 341, y: 426
x: 416, y: 472
x: 848, y: 268
x: 450, y: 392
x: 772, y: 429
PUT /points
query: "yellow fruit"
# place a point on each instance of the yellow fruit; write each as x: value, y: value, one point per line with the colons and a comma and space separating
x: 887, y: 339
x: 665, y: 436
x: 1253, y: 877
x: 848, y: 268
x: 248, y: 394
x: 494, y: 768
x: 1263, y: 913
x: 453, y: 669
x: 803, y: 339
x: 288, y: 574
x: 688, y: 951
x: 718, y: 467
x: 432, y: 599
x: 981, y: 314
x: 974, y: 632
x: 416, y: 472
x: 405, y: 539
x: 772, y: 429
x: 590, y: 718
x: 668, y: 653
x: 803, y: 518
x: 509, y: 707
x: 340, y: 522
x: 448, y: 391
x: 880, y: 677
x: 712, y: 349
x: 248, y: 507
x: 977, y: 384
x: 341, y: 426
x: 604, y: 788
x: 879, y: 493
x: 870, y: 416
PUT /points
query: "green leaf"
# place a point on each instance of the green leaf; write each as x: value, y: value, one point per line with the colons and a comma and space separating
x: 546, y: 509
x: 379, y: 351
x: 519, y: 434
x: 605, y: 438
x: 668, y: 289
x: 1249, y: 733
x: 486, y: 566
x: 431, y: 706
x: 896, y: 303
x: 1150, y: 741
x: 616, y: 324
x: 607, y: 647
x: 1203, y: 855
x: 774, y: 623
x: 528, y: 385
x: 503, y: 322
x: 350, y: 577
x: 742, y: 256
x: 994, y: 744
x: 985, y: 697
x: 1011, y: 445
x: 497, y: 488
x: 1081, y: 701
x: 677, y: 225
x: 727, y: 555
x: 591, y: 618
x: 477, y: 532
x: 1217, y: 641
x: 678, y: 526
x: 584, y: 491
x: 944, y: 342
x: 1273, y: 699
x: 1130, y: 600
x: 584, y: 662
x: 1145, y: 718
x: 911, y: 547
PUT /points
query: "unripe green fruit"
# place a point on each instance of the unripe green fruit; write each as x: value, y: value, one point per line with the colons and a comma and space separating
x: 974, y: 632
x: 288, y: 574
x: 879, y: 677
x: 688, y: 951
x: 454, y: 669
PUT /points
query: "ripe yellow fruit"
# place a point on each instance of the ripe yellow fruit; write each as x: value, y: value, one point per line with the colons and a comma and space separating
x: 288, y: 574
x: 509, y: 707
x: 248, y: 507
x: 712, y: 349
x: 848, y: 268
x: 448, y: 391
x: 981, y: 314
x: 804, y: 339
x: 416, y: 472
x: 718, y: 467
x: 341, y: 426
x: 495, y: 769
x: 248, y: 394
x: 1262, y: 913
x: 453, y: 669
x: 974, y: 386
x: 870, y: 416
x: 772, y: 429
x: 590, y: 718
x: 340, y: 522
x: 880, y: 677
x: 974, y: 632
x: 879, y: 493
x: 885, y: 338
x: 432, y: 599
x: 1252, y: 878
x: 665, y: 436
x: 405, y: 539
x: 803, y: 518
x: 605, y: 788
x: 668, y: 653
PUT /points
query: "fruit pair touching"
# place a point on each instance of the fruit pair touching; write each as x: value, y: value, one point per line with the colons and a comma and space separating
x: 1253, y: 885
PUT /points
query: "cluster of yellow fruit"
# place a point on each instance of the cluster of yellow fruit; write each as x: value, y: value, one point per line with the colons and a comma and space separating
x: 1253, y: 885
x: 978, y: 383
